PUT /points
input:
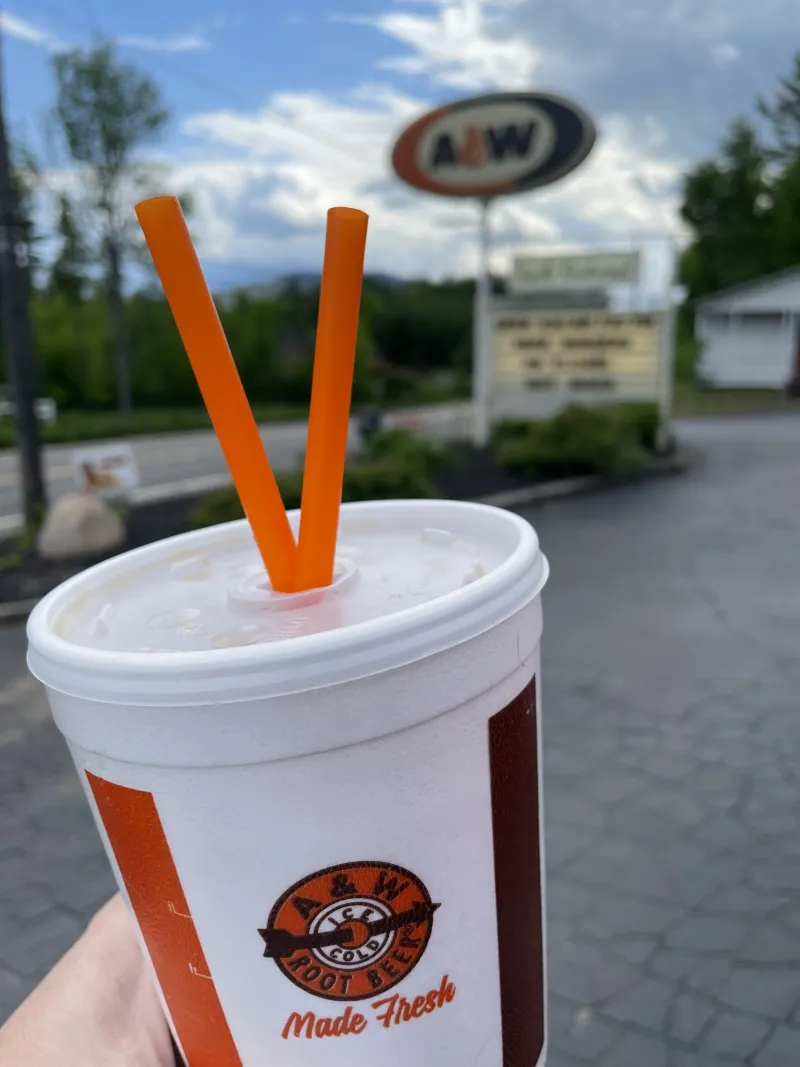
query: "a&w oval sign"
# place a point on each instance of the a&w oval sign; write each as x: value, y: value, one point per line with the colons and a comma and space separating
x: 494, y: 145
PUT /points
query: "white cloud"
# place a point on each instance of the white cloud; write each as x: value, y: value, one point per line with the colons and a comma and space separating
x: 29, y: 32
x: 262, y: 181
x: 267, y: 178
x: 268, y: 207
x: 724, y: 53
x: 712, y: 22
x: 463, y: 44
x: 194, y: 41
x: 185, y: 42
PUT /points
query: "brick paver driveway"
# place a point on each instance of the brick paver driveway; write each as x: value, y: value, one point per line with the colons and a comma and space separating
x: 672, y: 754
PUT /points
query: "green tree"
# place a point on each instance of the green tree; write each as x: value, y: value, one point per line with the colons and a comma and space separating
x: 68, y: 279
x: 249, y: 325
x: 727, y: 203
x: 25, y: 179
x: 786, y: 215
x: 162, y: 375
x: 108, y: 110
x: 364, y: 370
x: 421, y: 326
x: 783, y: 115
x: 68, y: 273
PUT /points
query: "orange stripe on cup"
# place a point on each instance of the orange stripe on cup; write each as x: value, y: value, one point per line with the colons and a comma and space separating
x: 148, y: 870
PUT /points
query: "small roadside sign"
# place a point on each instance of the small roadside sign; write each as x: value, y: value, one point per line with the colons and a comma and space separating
x: 108, y: 470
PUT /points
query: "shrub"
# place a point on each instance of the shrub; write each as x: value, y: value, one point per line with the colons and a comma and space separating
x: 409, y: 450
x: 387, y: 479
x: 687, y: 359
x: 510, y: 430
x: 224, y: 505
x: 577, y: 441
x: 643, y: 420
x: 400, y: 467
x: 398, y: 384
x: 221, y: 506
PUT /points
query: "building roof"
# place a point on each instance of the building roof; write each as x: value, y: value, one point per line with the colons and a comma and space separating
x: 757, y: 283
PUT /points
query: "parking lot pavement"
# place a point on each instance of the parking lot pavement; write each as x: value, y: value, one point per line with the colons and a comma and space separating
x: 671, y: 744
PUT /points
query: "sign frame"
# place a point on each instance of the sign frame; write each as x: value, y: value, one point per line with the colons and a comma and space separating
x: 575, y: 137
x: 109, y: 470
x: 565, y: 270
x: 514, y: 400
x: 567, y: 135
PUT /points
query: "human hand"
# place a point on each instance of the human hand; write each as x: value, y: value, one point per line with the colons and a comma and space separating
x: 96, y: 1008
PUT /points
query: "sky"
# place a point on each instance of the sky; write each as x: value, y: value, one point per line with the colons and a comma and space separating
x: 276, y: 117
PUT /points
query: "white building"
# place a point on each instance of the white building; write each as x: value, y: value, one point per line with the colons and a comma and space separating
x: 749, y: 335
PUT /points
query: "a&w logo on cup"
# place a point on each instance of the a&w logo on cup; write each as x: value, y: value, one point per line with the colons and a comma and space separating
x: 350, y: 932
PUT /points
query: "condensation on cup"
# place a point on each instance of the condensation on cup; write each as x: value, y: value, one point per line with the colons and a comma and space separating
x: 323, y: 809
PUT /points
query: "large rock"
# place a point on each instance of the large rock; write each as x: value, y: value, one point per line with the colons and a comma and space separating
x: 79, y: 524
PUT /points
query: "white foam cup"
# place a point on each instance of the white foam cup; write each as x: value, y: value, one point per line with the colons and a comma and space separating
x: 323, y: 809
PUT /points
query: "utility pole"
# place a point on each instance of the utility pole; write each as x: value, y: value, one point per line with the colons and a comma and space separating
x: 482, y: 334
x: 18, y: 344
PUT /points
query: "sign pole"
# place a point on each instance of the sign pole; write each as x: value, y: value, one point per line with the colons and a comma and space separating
x: 479, y: 148
x: 482, y: 333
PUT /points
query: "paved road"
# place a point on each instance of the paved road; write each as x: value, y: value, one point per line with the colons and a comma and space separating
x: 672, y: 754
x: 165, y: 460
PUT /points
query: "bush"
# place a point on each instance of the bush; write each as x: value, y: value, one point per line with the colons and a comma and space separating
x: 643, y: 420
x: 510, y: 430
x: 687, y: 354
x: 398, y: 466
x: 222, y: 506
x: 578, y: 441
x: 408, y: 449
x: 398, y: 384
x: 387, y: 479
x: 404, y: 386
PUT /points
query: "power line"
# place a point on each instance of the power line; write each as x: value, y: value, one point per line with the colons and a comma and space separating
x: 223, y: 93
x: 234, y: 100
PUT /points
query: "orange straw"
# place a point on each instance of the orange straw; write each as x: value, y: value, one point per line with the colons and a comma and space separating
x: 331, y: 389
x: 201, y: 331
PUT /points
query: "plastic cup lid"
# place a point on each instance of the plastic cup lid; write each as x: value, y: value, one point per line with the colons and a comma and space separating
x: 201, y: 604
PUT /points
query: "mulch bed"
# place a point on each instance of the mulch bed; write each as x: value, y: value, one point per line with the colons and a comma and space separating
x: 475, y: 473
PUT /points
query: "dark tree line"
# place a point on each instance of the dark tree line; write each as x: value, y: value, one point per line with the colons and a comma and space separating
x: 98, y: 348
x: 743, y: 206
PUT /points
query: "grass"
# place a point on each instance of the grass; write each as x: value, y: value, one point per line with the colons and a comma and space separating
x: 691, y: 400
x: 77, y: 426
x: 74, y: 426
